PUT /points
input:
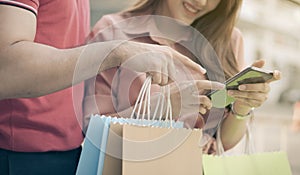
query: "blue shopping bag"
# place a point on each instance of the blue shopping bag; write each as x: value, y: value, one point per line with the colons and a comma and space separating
x: 93, y: 147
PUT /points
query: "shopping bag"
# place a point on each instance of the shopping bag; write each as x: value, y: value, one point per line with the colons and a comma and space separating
x: 155, y: 150
x: 135, y: 149
x: 275, y: 163
x: 93, y: 151
x: 267, y: 163
x: 152, y: 147
x: 113, y: 157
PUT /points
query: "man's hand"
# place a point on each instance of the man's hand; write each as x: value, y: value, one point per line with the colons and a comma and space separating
x: 161, y: 62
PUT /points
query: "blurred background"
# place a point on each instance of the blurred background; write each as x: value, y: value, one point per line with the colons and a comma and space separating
x: 271, y: 30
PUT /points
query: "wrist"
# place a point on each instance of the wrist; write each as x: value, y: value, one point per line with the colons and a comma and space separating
x: 118, y: 53
x: 240, y: 108
x: 241, y: 116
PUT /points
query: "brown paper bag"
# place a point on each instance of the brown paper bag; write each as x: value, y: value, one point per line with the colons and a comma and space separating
x: 150, y: 146
x: 113, y: 157
x: 152, y: 150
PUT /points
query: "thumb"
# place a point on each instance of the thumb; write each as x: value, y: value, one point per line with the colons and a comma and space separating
x: 259, y: 63
x: 276, y: 76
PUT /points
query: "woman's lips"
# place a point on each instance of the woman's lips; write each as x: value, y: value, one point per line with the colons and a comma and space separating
x: 190, y: 8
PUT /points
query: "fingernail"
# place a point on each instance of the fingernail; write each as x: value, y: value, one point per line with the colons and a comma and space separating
x: 220, y: 85
x: 203, y: 70
x: 242, y: 87
x: 277, y: 74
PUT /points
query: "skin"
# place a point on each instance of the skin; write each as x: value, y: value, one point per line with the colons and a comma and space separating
x: 187, y: 11
x: 247, y: 97
x: 24, y: 74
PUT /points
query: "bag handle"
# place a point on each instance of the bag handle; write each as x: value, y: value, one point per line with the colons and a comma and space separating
x: 141, y: 97
x: 248, y: 139
x: 145, y: 95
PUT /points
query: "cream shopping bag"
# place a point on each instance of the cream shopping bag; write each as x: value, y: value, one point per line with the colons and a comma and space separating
x: 133, y: 149
x: 154, y: 150
x: 152, y: 147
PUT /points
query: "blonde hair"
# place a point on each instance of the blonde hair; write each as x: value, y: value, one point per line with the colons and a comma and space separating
x: 216, y: 26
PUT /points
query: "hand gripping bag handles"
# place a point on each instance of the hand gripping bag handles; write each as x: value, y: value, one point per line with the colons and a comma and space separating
x: 142, y: 145
x: 267, y: 163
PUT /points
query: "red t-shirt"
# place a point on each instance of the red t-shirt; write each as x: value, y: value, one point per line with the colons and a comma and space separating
x: 51, y: 122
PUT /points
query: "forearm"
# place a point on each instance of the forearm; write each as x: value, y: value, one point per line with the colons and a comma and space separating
x: 30, y: 69
x: 232, y: 130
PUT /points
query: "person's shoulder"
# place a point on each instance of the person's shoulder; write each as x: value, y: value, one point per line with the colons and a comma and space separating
x: 108, y: 19
x: 106, y: 27
x: 237, y: 42
x: 237, y: 39
x: 114, y: 18
x: 236, y: 35
x: 105, y: 22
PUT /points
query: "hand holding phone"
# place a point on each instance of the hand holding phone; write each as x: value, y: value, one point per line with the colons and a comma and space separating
x: 250, y: 75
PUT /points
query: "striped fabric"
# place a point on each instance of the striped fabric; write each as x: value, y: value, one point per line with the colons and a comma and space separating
x: 31, y: 5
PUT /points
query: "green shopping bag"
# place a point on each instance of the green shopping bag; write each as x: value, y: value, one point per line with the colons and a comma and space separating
x: 275, y: 163
x: 270, y: 163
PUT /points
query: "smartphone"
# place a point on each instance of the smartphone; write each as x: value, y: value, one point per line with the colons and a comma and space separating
x: 250, y: 75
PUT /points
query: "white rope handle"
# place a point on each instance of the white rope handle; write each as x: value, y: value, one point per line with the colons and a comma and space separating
x: 160, y: 103
x: 248, y: 146
x: 169, y: 114
x: 145, y: 93
x: 140, y: 97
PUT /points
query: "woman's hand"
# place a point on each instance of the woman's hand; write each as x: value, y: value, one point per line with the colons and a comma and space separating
x: 187, y: 98
x: 250, y: 96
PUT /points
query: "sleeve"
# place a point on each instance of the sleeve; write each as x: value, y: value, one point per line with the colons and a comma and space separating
x: 102, y: 31
x: 31, y: 5
x: 238, y: 48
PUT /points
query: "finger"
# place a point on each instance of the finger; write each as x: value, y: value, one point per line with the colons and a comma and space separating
x: 259, y: 63
x: 205, y: 101
x: 276, y: 76
x: 257, y: 87
x: 188, y: 63
x: 209, y: 85
x: 171, y: 71
x: 248, y: 95
x: 202, y: 104
x: 202, y: 110
x: 156, y: 77
x: 250, y: 102
x: 164, y: 76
